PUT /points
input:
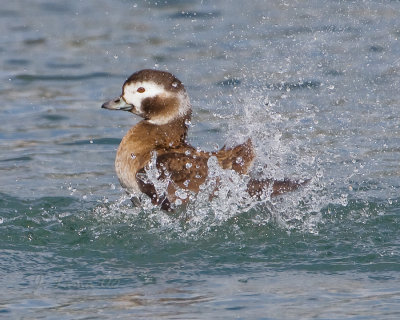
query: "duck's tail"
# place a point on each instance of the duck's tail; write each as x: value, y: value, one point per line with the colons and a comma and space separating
x: 258, y: 188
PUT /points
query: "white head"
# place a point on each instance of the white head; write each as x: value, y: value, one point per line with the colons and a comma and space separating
x: 157, y: 96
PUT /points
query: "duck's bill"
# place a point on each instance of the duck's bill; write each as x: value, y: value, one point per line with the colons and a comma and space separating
x: 117, y: 104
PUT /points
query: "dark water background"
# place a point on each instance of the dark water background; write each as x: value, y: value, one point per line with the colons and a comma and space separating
x: 316, y: 84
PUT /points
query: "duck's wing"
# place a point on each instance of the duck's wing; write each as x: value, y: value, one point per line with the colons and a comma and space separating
x: 182, y: 173
x: 238, y: 158
x: 258, y: 188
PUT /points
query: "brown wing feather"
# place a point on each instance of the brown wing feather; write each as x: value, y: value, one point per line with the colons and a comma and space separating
x: 238, y: 158
x: 182, y: 171
x: 258, y: 188
x: 186, y: 171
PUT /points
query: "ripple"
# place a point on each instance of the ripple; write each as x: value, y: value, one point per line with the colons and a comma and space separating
x: 195, y: 15
x: 111, y: 141
x: 233, y: 82
x: 55, y: 65
x: 287, y: 86
x: 35, y: 41
x: 18, y: 62
x: 54, y: 117
x: 23, y: 158
x: 62, y: 77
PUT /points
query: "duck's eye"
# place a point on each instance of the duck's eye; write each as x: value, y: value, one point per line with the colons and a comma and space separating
x: 141, y: 90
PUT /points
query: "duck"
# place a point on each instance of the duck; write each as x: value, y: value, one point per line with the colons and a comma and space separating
x: 159, y: 140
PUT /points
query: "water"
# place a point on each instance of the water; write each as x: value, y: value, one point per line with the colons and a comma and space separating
x: 314, y: 83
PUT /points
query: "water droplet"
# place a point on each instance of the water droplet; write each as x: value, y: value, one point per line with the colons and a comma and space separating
x: 133, y: 156
x: 175, y: 84
x: 188, y: 165
x: 182, y: 195
x: 343, y: 200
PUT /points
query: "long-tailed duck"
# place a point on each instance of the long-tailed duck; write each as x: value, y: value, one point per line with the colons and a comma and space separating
x: 161, y: 100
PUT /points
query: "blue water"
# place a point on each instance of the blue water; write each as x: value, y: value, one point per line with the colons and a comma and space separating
x: 315, y: 84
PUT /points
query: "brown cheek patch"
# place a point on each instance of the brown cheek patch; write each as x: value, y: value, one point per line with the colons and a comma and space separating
x: 160, y: 107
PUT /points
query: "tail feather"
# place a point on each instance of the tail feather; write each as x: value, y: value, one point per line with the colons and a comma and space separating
x: 257, y: 188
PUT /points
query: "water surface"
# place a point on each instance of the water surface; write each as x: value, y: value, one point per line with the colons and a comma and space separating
x: 313, y: 83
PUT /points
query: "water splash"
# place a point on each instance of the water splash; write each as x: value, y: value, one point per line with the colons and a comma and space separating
x: 284, y: 149
x: 283, y: 143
